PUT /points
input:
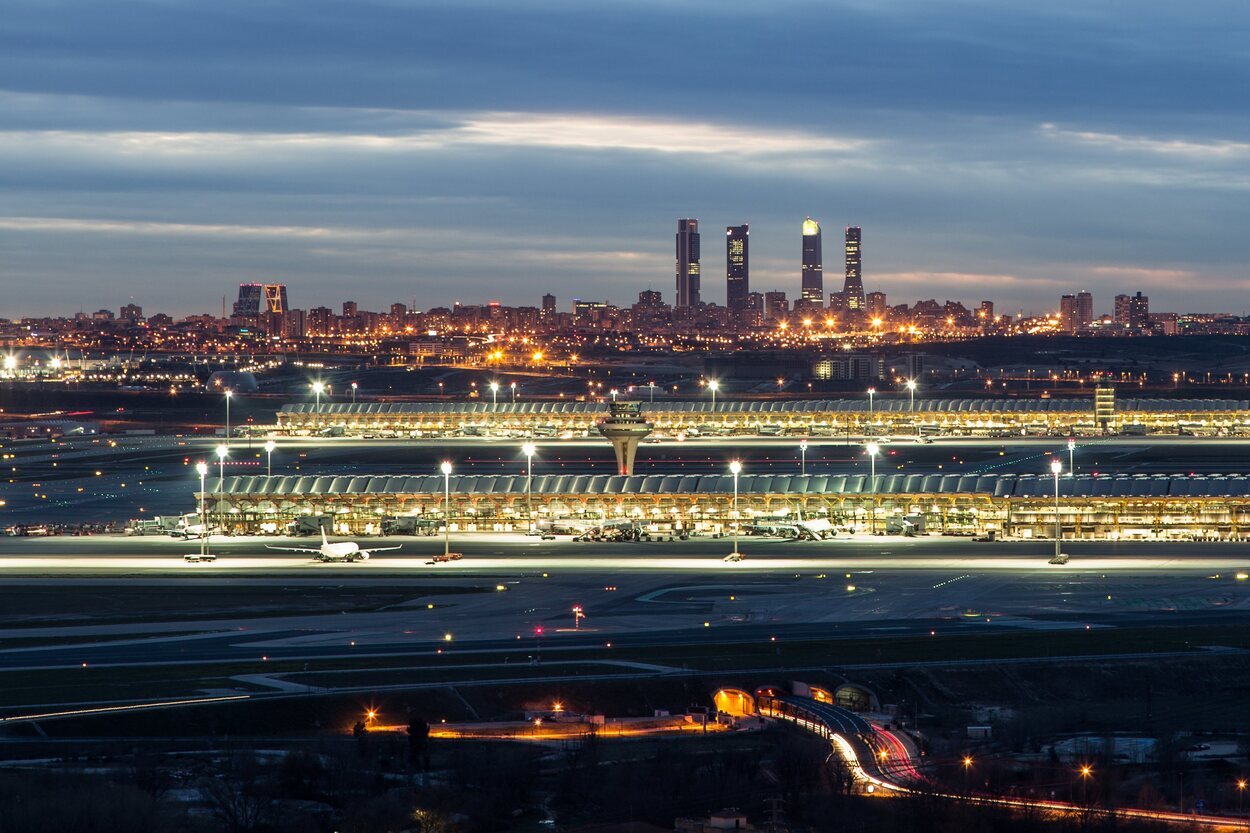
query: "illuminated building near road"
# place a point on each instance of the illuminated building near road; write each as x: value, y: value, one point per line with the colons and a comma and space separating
x: 853, y: 286
x: 737, y: 267
x: 813, y: 286
x: 687, y: 263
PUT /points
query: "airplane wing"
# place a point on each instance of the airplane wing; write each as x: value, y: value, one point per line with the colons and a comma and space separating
x: 314, y: 551
x: 379, y: 549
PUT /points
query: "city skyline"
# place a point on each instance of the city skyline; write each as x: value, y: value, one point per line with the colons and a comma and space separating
x: 964, y: 141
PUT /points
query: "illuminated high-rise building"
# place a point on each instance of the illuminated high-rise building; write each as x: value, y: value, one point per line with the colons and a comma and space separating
x: 853, y: 286
x: 737, y: 267
x: 813, y: 285
x: 687, y: 263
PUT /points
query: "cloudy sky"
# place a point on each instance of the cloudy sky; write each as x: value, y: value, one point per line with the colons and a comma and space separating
x: 394, y: 150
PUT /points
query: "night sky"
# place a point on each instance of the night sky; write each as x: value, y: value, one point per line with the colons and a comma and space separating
x: 470, y: 150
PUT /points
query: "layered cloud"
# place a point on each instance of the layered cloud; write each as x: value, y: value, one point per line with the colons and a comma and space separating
x: 511, y: 149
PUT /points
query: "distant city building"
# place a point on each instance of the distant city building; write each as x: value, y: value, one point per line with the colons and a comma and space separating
x: 549, y: 305
x: 986, y: 312
x: 1132, y: 311
x: 131, y: 313
x: 776, y: 307
x: 1067, y: 312
x: 737, y: 267
x: 853, y: 287
x: 350, y: 309
x: 257, y: 299
x: 687, y: 263
x: 1164, y: 323
x: 813, y: 283
x: 876, y: 305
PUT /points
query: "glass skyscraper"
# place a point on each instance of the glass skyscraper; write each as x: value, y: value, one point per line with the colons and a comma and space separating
x: 737, y: 267
x: 853, y: 287
x: 813, y: 272
x: 687, y: 263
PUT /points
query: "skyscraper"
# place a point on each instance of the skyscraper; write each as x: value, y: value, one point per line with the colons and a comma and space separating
x: 813, y: 285
x: 737, y: 267
x: 853, y: 287
x: 687, y: 263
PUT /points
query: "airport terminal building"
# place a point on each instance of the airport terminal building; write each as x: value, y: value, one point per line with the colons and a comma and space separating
x: 1122, y: 507
x: 813, y: 417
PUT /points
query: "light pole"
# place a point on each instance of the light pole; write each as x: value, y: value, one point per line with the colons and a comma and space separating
x: 269, y: 447
x: 318, y: 388
x: 911, y: 394
x: 513, y: 386
x: 651, y: 385
x: 222, y: 452
x: 1056, y: 467
x: 803, y: 457
x: 446, y: 469
x: 1241, y: 794
x: 872, y: 449
x: 1071, y: 457
x: 736, y: 469
x: 528, y: 450
x: 201, y: 468
x: 713, y: 386
x: 354, y: 386
x: 229, y: 396
x: 871, y: 393
x: 613, y: 393
x: 494, y: 392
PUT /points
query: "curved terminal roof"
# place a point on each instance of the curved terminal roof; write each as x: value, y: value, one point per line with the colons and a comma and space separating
x: 1000, y: 486
x: 792, y: 406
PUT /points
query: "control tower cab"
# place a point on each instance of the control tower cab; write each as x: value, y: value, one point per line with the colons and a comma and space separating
x: 625, y: 428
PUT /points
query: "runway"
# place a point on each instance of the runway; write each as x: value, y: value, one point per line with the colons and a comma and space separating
x: 634, y: 595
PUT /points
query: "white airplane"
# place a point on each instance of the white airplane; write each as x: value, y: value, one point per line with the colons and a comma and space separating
x: 342, y: 551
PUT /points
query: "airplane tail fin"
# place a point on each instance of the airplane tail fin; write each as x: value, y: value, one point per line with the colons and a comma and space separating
x: 324, y: 541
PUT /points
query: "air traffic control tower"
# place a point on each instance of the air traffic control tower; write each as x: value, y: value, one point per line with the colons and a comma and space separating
x: 625, y: 428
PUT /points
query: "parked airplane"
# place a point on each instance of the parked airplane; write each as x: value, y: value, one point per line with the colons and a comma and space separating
x: 342, y: 551
x: 816, y: 529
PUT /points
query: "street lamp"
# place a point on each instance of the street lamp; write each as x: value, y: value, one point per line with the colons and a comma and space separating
x: 354, y: 386
x: 222, y: 452
x: 229, y: 396
x: 513, y: 386
x: 871, y: 392
x: 803, y: 457
x: 528, y: 450
x: 713, y: 386
x: 735, y: 468
x: 1241, y: 793
x: 494, y: 390
x: 1055, y: 468
x: 1071, y: 457
x: 872, y: 449
x: 201, y: 468
x: 911, y: 393
x: 318, y: 388
x: 651, y: 385
x: 967, y: 762
x: 269, y: 447
x: 446, y: 469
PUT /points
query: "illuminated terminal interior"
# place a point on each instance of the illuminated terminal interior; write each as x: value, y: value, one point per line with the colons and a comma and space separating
x: 1122, y: 507
x: 810, y: 417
